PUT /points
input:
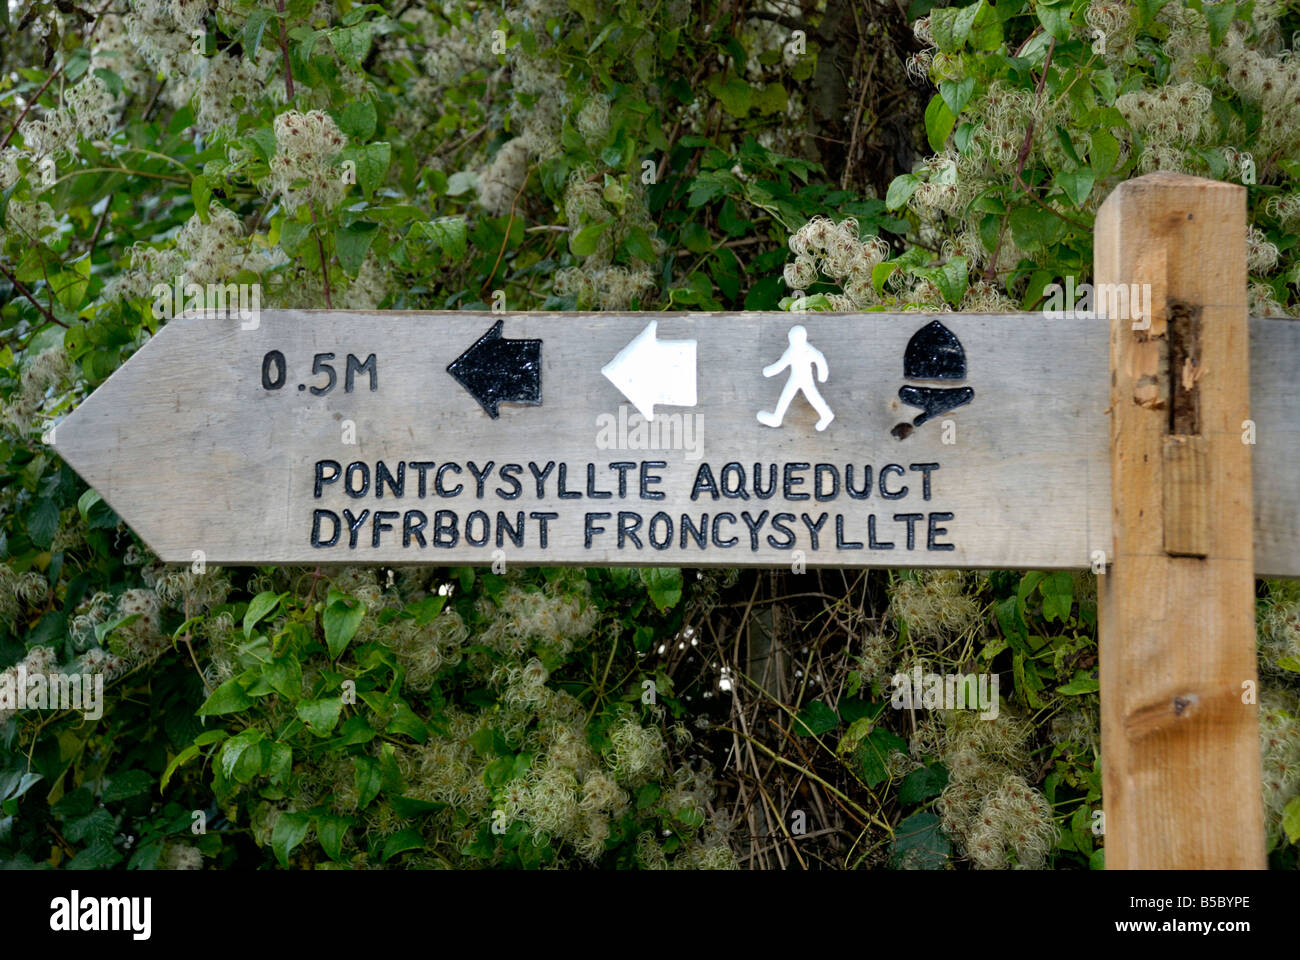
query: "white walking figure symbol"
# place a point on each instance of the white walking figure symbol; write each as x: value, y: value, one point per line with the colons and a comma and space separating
x: 801, y: 358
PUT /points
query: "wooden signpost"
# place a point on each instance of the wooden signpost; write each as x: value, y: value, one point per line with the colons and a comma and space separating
x: 779, y: 439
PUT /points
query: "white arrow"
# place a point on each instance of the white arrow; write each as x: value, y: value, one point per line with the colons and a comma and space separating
x: 650, y: 371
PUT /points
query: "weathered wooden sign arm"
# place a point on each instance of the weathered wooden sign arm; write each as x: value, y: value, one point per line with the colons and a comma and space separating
x: 335, y: 437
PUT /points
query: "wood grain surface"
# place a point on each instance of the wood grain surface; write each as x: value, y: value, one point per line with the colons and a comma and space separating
x: 196, y: 454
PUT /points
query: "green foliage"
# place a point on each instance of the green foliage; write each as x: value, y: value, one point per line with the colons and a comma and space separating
x: 588, y: 156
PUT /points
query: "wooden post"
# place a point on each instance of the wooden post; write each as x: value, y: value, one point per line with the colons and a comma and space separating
x: 1179, y: 724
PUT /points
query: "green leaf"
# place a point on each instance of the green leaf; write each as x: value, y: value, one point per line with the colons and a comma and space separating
x: 585, y: 241
x: 922, y: 784
x: 951, y: 26
x: 321, y: 715
x: 772, y: 99
x: 815, y: 719
x: 259, y: 608
x: 1291, y: 819
x: 1055, y: 18
x: 254, y: 27
x: 227, y: 698
x: 460, y: 182
x: 15, y: 783
x: 368, y: 779
x: 353, y: 243
x: 1080, y: 686
x: 939, y: 122
x: 189, y: 753
x: 951, y: 279
x: 919, y: 844
x: 234, y: 749
x: 900, y: 191
x: 372, y: 161
x: 351, y: 43
x: 1034, y: 228
x: 401, y: 841
x: 1104, y: 152
x: 447, y: 234
x: 357, y: 119
x: 639, y: 246
x: 330, y: 831
x: 1219, y: 17
x: 1077, y: 184
x: 663, y: 585
x: 1058, y: 596
x: 128, y: 783
x: 43, y: 522
x: 696, y: 238
x: 956, y: 93
x: 736, y: 96
x: 342, y: 617
x: 284, y: 674
x: 263, y: 142
x: 289, y: 831
x: 873, y: 755
x: 201, y: 193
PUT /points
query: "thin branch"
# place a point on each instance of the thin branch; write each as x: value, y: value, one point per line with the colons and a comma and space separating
x: 284, y: 48
x: 324, y: 265
x: 22, y: 288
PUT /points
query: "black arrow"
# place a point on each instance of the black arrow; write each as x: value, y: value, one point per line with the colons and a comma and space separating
x: 495, y: 370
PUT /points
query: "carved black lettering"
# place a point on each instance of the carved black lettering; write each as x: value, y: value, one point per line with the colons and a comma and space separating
x: 422, y: 467
x: 396, y: 484
x: 562, y: 485
x: 352, y: 490
x: 910, y: 519
x: 791, y: 481
x: 507, y: 474
x: 779, y: 521
x: 542, y: 518
x: 437, y: 481
x: 826, y: 470
x: 355, y: 366
x: 622, y: 467
x: 322, y: 479
x: 316, y: 518
x: 735, y: 491
x: 926, y: 469
x: 380, y: 525
x: 504, y: 529
x: 480, y: 475
x: 589, y: 529
x: 413, y: 525
x: 667, y: 540
x: 704, y: 483
x: 472, y: 540
x: 840, y: 542
x: 872, y: 542
x: 865, y: 492
x: 592, y: 492
x: 355, y: 523
x: 730, y: 541
x: 884, y: 490
x: 813, y: 528
x: 934, y: 531
x: 754, y: 525
x: 628, y: 525
x: 540, y: 476
x: 445, y: 533
x: 650, y: 478
x: 699, y: 534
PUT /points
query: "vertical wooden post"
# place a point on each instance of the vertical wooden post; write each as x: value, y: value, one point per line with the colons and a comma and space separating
x: 1179, y: 724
